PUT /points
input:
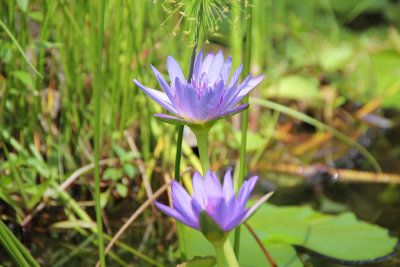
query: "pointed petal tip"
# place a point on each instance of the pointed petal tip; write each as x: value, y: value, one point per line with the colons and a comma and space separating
x: 255, y: 207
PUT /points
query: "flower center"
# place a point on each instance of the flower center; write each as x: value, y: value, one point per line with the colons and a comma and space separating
x: 200, y: 84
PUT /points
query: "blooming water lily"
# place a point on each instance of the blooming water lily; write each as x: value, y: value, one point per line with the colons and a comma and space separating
x: 219, y: 202
x: 209, y: 95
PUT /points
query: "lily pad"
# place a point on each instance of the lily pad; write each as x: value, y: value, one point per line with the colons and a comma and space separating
x: 341, y: 237
x: 201, y: 262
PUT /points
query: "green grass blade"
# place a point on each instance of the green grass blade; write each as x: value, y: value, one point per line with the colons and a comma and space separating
x: 14, y: 248
x: 5, y: 28
x: 97, y: 93
x: 317, y: 124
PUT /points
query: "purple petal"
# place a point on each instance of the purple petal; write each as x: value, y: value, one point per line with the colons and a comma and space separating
x: 215, y: 68
x: 246, y: 190
x: 226, y: 70
x: 189, y: 101
x: 174, y: 71
x: 235, y: 76
x: 205, y: 65
x: 257, y: 205
x: 175, y: 214
x: 197, y: 65
x: 210, y: 99
x: 230, y: 95
x: 181, y: 202
x: 246, y: 89
x: 181, y: 194
x: 221, y: 213
x: 197, y: 208
x: 212, y: 185
x: 158, y: 96
x: 199, y: 189
x: 235, y: 221
x: 164, y: 85
x: 227, y: 188
x: 230, y: 112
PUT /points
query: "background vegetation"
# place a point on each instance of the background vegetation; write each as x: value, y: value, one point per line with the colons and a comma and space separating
x: 337, y: 61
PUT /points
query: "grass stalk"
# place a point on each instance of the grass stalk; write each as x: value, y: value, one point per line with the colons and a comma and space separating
x: 97, y: 92
x: 8, y: 240
x: 5, y: 28
x: 246, y: 68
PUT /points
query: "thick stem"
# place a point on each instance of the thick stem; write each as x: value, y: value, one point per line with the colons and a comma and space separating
x: 201, y: 136
x: 219, y: 251
x: 230, y: 254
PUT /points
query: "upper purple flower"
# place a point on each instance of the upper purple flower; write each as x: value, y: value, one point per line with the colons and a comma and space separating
x: 220, y: 203
x: 207, y: 97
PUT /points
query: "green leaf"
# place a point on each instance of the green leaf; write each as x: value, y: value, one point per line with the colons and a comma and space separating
x: 36, y: 15
x: 24, y: 77
x: 295, y: 87
x: 129, y: 170
x: 112, y: 174
x: 342, y: 237
x: 385, y: 68
x: 122, y: 190
x: 23, y: 4
x: 254, y: 141
x: 119, y: 151
x: 201, y: 262
x: 251, y: 254
x: 335, y: 58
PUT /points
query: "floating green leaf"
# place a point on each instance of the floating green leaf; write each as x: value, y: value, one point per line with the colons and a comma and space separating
x: 201, y: 262
x: 342, y: 237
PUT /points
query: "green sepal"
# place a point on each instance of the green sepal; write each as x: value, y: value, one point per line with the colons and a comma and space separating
x: 210, y: 229
x: 176, y: 121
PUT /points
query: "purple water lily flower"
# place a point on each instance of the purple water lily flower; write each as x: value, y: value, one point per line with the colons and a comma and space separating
x: 220, y: 203
x: 207, y: 97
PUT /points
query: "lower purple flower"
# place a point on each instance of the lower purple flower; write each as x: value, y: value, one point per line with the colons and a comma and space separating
x: 219, y: 202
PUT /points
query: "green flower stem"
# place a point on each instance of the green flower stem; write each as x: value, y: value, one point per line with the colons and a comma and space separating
x: 219, y: 251
x: 178, y: 152
x: 179, y: 226
x: 201, y: 137
x: 242, y: 166
x: 230, y: 254
x: 224, y: 250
